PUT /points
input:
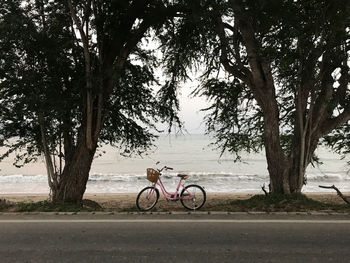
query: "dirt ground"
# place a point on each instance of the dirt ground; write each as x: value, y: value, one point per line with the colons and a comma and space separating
x: 124, y: 202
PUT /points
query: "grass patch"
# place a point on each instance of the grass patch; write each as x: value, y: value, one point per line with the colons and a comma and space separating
x: 4, y: 205
x: 130, y: 209
x: 135, y: 209
x: 43, y: 206
x: 257, y: 203
x: 283, y: 203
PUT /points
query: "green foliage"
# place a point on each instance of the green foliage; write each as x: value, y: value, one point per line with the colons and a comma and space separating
x: 131, y: 107
x: 132, y: 209
x: 4, y: 205
x: 42, y: 71
x: 339, y: 140
x: 46, y: 206
x: 285, y: 203
x: 234, y: 117
x: 39, y: 75
x: 305, y: 43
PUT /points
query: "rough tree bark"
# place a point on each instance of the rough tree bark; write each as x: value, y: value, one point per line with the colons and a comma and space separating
x: 73, y: 180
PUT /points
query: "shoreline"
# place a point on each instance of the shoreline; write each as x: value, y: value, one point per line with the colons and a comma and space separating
x: 122, y: 201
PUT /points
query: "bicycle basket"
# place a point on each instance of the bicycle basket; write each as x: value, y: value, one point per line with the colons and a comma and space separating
x: 152, y: 175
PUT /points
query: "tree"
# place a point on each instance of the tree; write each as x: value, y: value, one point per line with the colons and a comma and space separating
x: 75, y: 75
x: 40, y: 82
x: 287, y: 77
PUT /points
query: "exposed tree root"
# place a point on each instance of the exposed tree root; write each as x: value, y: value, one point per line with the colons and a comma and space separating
x: 91, y: 204
x: 263, y: 188
x: 338, y: 192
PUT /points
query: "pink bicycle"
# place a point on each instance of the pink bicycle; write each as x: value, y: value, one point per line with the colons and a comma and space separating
x: 191, y: 197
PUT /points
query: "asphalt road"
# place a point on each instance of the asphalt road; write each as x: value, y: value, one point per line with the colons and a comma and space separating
x: 174, y: 238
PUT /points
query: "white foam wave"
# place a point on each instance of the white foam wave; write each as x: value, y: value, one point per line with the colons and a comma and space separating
x: 132, y: 183
x: 195, y: 176
x: 325, y: 177
x: 20, y: 178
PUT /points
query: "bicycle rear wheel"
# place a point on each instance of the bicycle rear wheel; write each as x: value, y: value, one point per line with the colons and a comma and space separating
x: 147, y: 198
x: 193, y: 197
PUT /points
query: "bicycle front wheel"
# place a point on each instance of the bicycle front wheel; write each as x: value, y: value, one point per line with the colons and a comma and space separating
x: 193, y: 197
x: 147, y: 198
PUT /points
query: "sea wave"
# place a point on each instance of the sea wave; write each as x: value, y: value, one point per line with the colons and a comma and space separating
x: 133, y: 183
x: 193, y: 176
x: 20, y: 178
x: 321, y: 177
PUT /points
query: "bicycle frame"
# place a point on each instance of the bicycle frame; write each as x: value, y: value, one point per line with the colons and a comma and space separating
x: 171, y: 196
x: 149, y: 196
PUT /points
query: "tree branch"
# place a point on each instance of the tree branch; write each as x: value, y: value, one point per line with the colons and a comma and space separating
x: 331, y: 124
x: 116, y: 42
x: 250, y: 42
x: 240, y: 72
x: 264, y: 190
x: 320, y: 113
x: 340, y: 194
x: 344, y: 81
x: 137, y: 34
x: 99, y: 120
x: 89, y: 97
x: 80, y: 27
x: 228, y: 26
x: 51, y: 175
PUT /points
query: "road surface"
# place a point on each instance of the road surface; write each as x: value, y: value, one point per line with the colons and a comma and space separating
x: 174, y: 238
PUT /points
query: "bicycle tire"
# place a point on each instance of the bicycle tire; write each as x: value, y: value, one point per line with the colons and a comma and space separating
x: 143, y: 202
x: 198, y: 200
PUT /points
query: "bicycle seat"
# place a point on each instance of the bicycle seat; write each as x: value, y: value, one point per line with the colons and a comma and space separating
x: 183, y: 176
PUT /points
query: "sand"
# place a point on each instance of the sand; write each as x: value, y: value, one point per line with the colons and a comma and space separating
x: 123, y: 202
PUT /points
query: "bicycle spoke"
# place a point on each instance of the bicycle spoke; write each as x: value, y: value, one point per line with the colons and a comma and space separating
x: 193, y: 197
x: 147, y: 199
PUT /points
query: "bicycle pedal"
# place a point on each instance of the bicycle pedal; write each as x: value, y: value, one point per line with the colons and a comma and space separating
x: 176, y: 199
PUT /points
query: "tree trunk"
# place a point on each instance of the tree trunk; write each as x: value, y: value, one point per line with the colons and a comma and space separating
x: 75, y: 175
x: 286, y: 175
x: 277, y: 164
x: 296, y: 175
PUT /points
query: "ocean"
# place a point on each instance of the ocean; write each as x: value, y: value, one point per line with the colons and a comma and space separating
x: 191, y: 154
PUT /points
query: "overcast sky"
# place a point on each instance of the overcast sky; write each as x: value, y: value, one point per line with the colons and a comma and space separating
x: 190, y: 110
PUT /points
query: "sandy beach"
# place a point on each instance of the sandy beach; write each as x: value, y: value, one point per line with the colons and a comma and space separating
x: 123, y: 202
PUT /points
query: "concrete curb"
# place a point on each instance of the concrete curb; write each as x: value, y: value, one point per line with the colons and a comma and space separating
x: 314, y: 213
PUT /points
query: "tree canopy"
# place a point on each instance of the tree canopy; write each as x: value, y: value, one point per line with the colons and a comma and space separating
x: 75, y: 74
x: 277, y: 75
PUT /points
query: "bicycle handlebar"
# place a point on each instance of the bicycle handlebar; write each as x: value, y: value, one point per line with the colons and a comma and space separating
x: 166, y: 168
